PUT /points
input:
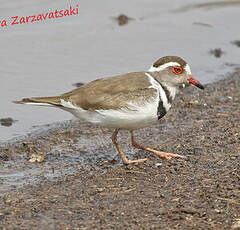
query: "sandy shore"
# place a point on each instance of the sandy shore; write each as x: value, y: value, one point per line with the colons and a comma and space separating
x: 81, y: 184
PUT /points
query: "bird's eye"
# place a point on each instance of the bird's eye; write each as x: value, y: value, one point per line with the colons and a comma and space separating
x: 177, y: 70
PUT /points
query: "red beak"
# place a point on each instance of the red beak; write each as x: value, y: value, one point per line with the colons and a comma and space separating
x: 195, y: 82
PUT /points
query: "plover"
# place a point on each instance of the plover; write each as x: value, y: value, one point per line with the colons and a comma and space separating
x: 130, y: 101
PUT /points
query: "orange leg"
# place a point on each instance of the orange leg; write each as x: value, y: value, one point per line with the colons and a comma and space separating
x: 122, y: 155
x: 164, y: 155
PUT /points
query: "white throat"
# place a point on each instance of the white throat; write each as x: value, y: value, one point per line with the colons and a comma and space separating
x: 172, y: 90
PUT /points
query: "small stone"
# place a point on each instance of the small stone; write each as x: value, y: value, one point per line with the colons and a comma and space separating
x: 193, y: 102
x: 217, y: 52
x: 158, y: 164
x: 7, y: 121
x: 123, y: 19
x: 39, y: 158
x: 78, y: 84
x: 237, y: 43
x: 236, y: 224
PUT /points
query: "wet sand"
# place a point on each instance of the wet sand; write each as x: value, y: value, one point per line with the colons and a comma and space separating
x: 82, y: 185
x: 52, y: 55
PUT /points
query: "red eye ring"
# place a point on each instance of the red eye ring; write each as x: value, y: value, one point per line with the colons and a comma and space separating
x: 177, y: 70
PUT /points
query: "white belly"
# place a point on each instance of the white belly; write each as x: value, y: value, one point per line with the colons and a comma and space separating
x: 134, y: 117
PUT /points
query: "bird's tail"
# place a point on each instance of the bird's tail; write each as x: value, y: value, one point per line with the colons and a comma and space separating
x: 44, y: 101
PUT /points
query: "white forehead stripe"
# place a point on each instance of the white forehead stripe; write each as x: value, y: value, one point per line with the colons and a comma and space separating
x: 188, y: 70
x: 164, y: 66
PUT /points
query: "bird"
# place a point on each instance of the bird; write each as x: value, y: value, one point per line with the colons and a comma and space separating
x: 129, y: 101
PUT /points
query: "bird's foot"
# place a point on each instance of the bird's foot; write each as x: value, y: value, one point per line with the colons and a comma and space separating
x: 167, y: 156
x: 127, y: 162
x: 163, y: 155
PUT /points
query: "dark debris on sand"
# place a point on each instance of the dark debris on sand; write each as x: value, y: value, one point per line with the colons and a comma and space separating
x: 202, y: 192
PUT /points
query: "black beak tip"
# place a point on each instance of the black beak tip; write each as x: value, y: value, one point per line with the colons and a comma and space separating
x: 200, y: 86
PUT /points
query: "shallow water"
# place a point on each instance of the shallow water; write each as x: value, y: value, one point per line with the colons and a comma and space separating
x: 46, y: 58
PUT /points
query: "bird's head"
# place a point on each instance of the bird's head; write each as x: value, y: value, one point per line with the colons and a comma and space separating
x: 174, y: 71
